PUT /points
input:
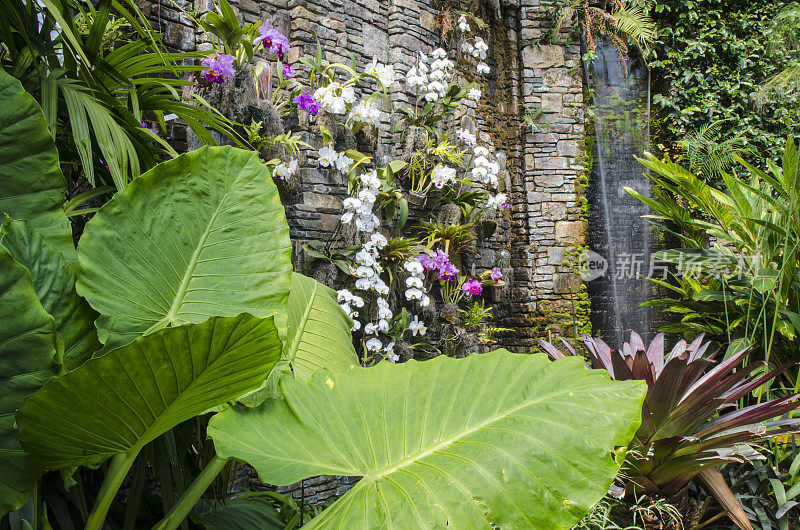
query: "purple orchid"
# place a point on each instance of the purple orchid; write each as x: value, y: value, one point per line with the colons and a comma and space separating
x: 305, y: 101
x: 448, y: 271
x: 439, y: 262
x: 495, y: 275
x: 154, y: 131
x: 428, y: 262
x: 273, y: 40
x: 472, y: 287
x: 288, y: 71
x: 220, y: 68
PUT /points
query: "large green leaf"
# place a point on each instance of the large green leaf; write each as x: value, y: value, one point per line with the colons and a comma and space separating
x: 29, y: 352
x: 246, y: 512
x: 514, y: 440
x: 120, y: 401
x: 54, y: 282
x: 201, y: 235
x: 31, y: 184
x: 318, y: 333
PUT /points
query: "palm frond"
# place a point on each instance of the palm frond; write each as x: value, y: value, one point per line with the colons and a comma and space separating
x: 118, y: 151
x: 635, y: 23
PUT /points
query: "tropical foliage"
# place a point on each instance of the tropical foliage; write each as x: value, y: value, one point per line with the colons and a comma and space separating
x: 744, y: 288
x: 103, y: 79
x: 708, y: 61
x: 190, y: 322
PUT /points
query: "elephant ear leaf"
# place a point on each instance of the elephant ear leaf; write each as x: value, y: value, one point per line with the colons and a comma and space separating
x: 29, y: 354
x: 496, y: 439
x: 116, y: 403
x: 54, y: 283
x: 318, y: 335
x: 31, y: 184
x: 201, y: 235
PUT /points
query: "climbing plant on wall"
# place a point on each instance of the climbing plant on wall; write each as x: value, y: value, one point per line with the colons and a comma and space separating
x: 709, y: 60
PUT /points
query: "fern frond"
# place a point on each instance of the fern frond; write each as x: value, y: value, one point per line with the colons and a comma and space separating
x: 565, y: 15
x: 708, y: 156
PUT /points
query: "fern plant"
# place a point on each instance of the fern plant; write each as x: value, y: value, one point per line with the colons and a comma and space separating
x: 621, y: 20
x: 710, y: 157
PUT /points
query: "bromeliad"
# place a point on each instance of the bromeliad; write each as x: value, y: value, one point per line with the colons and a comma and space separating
x: 691, y: 421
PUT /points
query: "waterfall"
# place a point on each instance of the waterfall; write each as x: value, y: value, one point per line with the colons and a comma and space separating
x: 616, y: 229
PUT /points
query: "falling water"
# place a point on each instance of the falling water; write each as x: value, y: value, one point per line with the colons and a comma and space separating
x: 616, y: 228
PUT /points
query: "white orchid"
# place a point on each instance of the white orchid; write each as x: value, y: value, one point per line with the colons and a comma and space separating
x: 349, y: 94
x: 417, y: 327
x: 327, y: 156
x: 343, y: 295
x: 380, y: 287
x: 496, y: 201
x: 474, y: 94
x: 285, y: 170
x: 371, y: 180
x: 414, y: 281
x: 414, y: 294
x: 384, y: 72
x: 481, y: 49
x: 467, y: 137
x: 343, y: 163
x: 379, y: 240
x: 443, y: 175
x: 373, y: 344
x: 462, y: 24
x: 413, y: 266
x: 483, y: 68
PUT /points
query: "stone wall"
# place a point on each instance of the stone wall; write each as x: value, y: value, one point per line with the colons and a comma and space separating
x: 544, y: 168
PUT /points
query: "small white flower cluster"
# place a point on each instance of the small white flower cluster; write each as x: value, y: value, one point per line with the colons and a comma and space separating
x: 349, y: 302
x: 467, y: 137
x: 384, y: 72
x: 375, y: 345
x: 415, y: 282
x: 334, y: 98
x: 463, y: 25
x: 328, y: 157
x: 496, y: 201
x: 485, y: 168
x: 432, y: 79
x: 360, y: 208
x: 369, y: 270
x: 478, y: 48
x: 443, y: 175
x: 367, y: 113
x: 285, y: 170
x: 384, y: 315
